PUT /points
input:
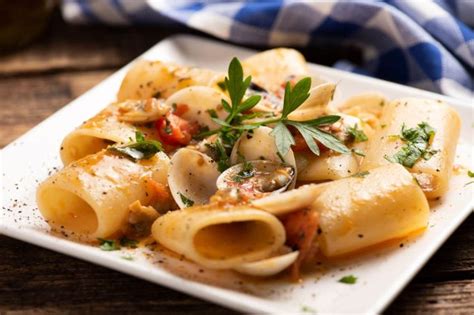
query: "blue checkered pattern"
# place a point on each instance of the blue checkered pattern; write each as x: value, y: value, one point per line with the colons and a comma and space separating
x: 426, y: 44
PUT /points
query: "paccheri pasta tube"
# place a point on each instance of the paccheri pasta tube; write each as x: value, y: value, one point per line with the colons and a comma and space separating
x: 92, y: 196
x: 159, y: 79
x: 383, y: 204
x: 433, y: 169
x: 117, y: 123
x: 360, y: 211
x: 271, y: 68
x: 218, y: 237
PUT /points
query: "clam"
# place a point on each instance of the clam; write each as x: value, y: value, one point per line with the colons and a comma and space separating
x: 141, y: 111
x: 259, y: 144
x: 201, y: 101
x: 269, y: 266
x: 192, y: 178
x: 257, y: 178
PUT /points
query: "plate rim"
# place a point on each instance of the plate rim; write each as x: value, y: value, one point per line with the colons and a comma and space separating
x: 192, y: 287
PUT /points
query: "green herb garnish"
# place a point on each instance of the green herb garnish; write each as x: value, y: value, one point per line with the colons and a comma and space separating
x: 233, y: 126
x: 350, y: 279
x: 357, y: 134
x: 108, y: 245
x: 470, y: 174
x: 361, y: 174
x: 221, y: 85
x: 186, y: 201
x: 126, y: 242
x: 358, y: 152
x: 246, y: 172
x: 129, y: 258
x: 417, y: 145
x: 141, y: 149
x: 307, y: 309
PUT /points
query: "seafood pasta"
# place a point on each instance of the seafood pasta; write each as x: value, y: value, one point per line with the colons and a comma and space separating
x: 256, y: 170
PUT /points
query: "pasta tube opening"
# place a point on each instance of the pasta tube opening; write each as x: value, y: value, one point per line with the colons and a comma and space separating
x: 229, y: 240
x: 78, y: 146
x: 68, y: 210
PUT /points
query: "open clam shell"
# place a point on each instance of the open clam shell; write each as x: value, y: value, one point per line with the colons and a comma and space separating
x: 259, y: 144
x: 269, y: 266
x: 257, y: 178
x: 192, y: 178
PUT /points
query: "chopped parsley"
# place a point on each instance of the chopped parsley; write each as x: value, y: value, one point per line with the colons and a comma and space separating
x: 307, y: 309
x: 361, y: 174
x: 129, y: 258
x: 186, y: 201
x: 111, y: 245
x: 471, y: 175
x: 357, y: 134
x: 350, y: 279
x: 246, y: 172
x: 222, y: 86
x: 417, y: 145
x: 212, y: 113
x: 140, y: 149
x: 126, y: 242
x: 358, y: 152
x: 108, y: 245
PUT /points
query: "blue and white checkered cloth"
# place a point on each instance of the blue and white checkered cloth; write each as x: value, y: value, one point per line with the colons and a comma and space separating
x: 422, y: 43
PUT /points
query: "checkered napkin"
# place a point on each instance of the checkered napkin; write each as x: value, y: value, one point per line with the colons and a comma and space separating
x: 422, y: 43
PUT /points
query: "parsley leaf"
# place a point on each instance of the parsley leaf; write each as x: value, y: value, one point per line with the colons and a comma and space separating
x: 187, y: 202
x: 233, y: 126
x: 296, y: 96
x: 236, y: 87
x: 357, y: 134
x: 417, y: 142
x: 283, y: 138
x: 126, y: 242
x: 141, y: 149
x: 108, y: 245
x: 350, y: 279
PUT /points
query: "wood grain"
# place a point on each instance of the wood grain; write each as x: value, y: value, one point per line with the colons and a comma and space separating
x: 67, y: 61
x: 28, y: 100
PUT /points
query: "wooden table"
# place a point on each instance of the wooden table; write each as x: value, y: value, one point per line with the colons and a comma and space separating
x: 37, y: 81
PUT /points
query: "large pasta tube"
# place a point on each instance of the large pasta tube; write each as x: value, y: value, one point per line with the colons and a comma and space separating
x: 271, y: 68
x: 327, y: 166
x: 92, y: 195
x: 117, y: 123
x: 358, y: 212
x: 433, y: 174
x: 158, y: 79
x: 220, y: 238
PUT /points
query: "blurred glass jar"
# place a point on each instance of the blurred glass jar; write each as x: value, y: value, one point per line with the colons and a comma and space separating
x: 21, y: 21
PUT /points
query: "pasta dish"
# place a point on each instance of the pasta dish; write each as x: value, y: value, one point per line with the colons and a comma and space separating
x: 257, y: 170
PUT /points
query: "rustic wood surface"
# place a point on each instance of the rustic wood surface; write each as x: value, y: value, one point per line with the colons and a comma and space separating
x: 38, y: 80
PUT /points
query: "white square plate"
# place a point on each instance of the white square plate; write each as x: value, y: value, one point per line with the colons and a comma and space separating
x: 381, y: 275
